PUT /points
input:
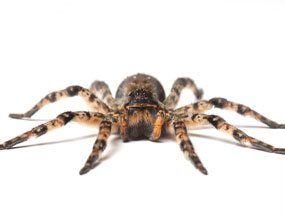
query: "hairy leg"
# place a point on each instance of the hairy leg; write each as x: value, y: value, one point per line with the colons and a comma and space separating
x: 221, y: 125
x: 95, y: 103
x: 102, y: 91
x: 99, y: 146
x: 61, y: 120
x: 181, y: 83
x: 203, y: 106
x: 186, y: 145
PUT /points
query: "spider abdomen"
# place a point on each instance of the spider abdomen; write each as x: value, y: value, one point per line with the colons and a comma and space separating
x: 140, y: 81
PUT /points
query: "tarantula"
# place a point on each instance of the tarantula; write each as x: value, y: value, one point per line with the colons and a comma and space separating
x: 141, y: 111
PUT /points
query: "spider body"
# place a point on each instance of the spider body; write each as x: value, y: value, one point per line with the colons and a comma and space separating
x: 139, y: 96
x: 140, y: 110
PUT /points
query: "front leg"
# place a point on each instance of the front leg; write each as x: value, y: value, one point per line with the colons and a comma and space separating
x: 95, y: 103
x: 60, y: 121
x: 187, y: 146
x: 99, y: 146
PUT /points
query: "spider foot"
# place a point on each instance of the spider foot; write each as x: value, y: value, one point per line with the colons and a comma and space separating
x: 266, y: 147
x: 202, y: 169
x: 279, y: 150
x: 275, y: 125
x: 6, y: 146
x: 85, y: 169
x: 17, y: 116
x: 280, y: 126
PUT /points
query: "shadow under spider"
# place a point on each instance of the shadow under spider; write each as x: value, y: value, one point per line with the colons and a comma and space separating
x: 116, y: 139
x: 112, y: 151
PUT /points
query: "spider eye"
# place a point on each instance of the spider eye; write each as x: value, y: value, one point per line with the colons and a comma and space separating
x: 140, y: 94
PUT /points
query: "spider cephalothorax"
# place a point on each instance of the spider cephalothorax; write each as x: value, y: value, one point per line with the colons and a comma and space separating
x: 141, y: 111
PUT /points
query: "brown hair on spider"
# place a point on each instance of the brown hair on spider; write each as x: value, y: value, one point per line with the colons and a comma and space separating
x: 140, y: 110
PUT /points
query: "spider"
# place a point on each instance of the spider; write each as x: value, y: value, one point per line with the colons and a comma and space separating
x: 140, y: 110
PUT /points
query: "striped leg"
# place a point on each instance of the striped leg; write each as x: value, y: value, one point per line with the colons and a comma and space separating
x: 221, y: 125
x: 244, y: 110
x: 186, y: 145
x: 99, y: 146
x: 197, y: 107
x: 95, y: 103
x: 61, y: 120
x: 102, y: 91
x: 181, y: 83
x: 202, y: 106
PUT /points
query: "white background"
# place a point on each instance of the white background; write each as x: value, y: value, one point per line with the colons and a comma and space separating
x: 232, y: 49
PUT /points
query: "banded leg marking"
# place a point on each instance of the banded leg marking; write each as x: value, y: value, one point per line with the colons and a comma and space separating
x: 203, y: 106
x: 95, y: 103
x: 102, y: 91
x: 221, y: 125
x: 245, y: 111
x: 187, y: 146
x: 99, y: 146
x: 61, y: 120
x: 181, y: 83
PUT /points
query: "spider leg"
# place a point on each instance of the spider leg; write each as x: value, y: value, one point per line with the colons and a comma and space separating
x: 102, y: 91
x: 95, y: 103
x: 99, y: 146
x: 186, y: 145
x: 221, y: 125
x: 202, y: 106
x: 61, y: 120
x: 181, y: 83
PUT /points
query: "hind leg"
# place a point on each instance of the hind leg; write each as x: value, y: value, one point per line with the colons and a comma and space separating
x: 102, y: 91
x: 181, y: 83
x: 203, y: 106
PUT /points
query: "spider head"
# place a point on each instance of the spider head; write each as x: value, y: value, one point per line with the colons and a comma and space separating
x: 141, y: 98
x: 141, y: 112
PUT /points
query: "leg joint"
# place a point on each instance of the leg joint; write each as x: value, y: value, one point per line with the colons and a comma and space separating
x: 66, y: 117
x: 73, y: 90
x: 218, y: 102
x: 215, y: 120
